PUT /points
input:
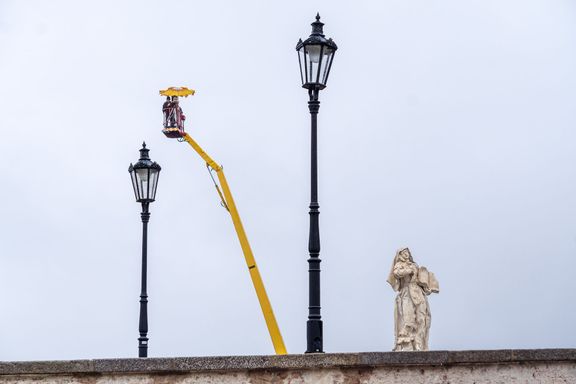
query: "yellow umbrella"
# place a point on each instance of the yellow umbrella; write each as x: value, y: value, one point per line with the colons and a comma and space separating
x: 177, y: 91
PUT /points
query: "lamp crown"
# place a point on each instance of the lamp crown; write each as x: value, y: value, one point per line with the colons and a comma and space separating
x: 144, y: 152
x: 317, y: 26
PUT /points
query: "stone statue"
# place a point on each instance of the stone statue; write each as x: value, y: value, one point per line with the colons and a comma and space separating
x: 411, y: 313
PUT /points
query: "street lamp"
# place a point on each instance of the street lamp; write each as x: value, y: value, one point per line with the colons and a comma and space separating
x: 315, y: 55
x: 144, y: 175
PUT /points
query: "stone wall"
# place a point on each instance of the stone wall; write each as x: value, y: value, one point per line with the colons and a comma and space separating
x: 543, y: 366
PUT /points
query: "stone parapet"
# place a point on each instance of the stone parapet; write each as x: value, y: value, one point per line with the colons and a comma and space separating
x: 490, y: 366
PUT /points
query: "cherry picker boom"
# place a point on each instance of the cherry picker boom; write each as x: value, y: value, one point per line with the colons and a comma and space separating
x: 174, y: 128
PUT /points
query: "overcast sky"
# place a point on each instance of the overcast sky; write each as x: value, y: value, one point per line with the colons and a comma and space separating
x: 447, y: 126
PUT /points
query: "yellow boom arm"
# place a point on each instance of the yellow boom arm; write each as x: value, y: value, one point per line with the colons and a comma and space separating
x: 271, y: 323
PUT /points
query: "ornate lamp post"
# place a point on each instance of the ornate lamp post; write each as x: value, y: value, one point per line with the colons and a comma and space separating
x: 315, y: 55
x: 144, y: 175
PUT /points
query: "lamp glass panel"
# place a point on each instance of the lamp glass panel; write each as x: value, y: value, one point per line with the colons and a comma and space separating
x: 153, y: 183
x: 328, y: 54
x: 143, y: 182
x: 301, y: 63
x: 134, y: 184
x: 313, y: 56
x: 305, y: 60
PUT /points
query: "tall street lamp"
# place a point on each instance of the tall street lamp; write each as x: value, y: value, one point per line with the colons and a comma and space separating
x: 315, y: 55
x: 144, y: 175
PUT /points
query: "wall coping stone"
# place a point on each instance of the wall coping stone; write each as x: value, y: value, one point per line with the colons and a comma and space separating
x: 286, y: 362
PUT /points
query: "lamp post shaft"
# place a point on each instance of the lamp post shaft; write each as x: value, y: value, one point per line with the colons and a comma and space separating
x: 314, y: 324
x: 143, y: 326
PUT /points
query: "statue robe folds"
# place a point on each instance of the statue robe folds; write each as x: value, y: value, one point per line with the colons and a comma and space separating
x: 412, y: 313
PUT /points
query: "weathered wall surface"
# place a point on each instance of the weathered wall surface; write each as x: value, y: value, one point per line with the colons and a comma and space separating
x: 552, y: 366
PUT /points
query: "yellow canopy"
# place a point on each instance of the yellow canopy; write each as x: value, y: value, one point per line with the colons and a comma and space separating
x: 177, y: 91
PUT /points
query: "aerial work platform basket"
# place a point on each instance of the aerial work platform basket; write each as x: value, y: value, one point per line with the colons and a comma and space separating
x: 173, y: 116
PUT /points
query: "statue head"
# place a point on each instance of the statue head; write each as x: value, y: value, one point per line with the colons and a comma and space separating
x: 404, y: 255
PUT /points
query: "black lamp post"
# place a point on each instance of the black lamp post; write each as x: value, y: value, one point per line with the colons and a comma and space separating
x: 144, y: 176
x: 315, y: 55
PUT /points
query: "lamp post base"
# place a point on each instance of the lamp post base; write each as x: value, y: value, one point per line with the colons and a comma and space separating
x: 142, y: 347
x: 314, y: 336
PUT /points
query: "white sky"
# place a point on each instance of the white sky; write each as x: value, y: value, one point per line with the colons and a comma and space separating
x: 447, y: 126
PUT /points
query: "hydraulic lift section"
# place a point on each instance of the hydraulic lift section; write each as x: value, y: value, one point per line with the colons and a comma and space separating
x: 174, y: 128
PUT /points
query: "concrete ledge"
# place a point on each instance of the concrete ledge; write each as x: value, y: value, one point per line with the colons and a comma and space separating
x: 288, y: 362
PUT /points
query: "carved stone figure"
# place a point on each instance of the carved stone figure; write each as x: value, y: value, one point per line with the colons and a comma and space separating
x: 412, y: 313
